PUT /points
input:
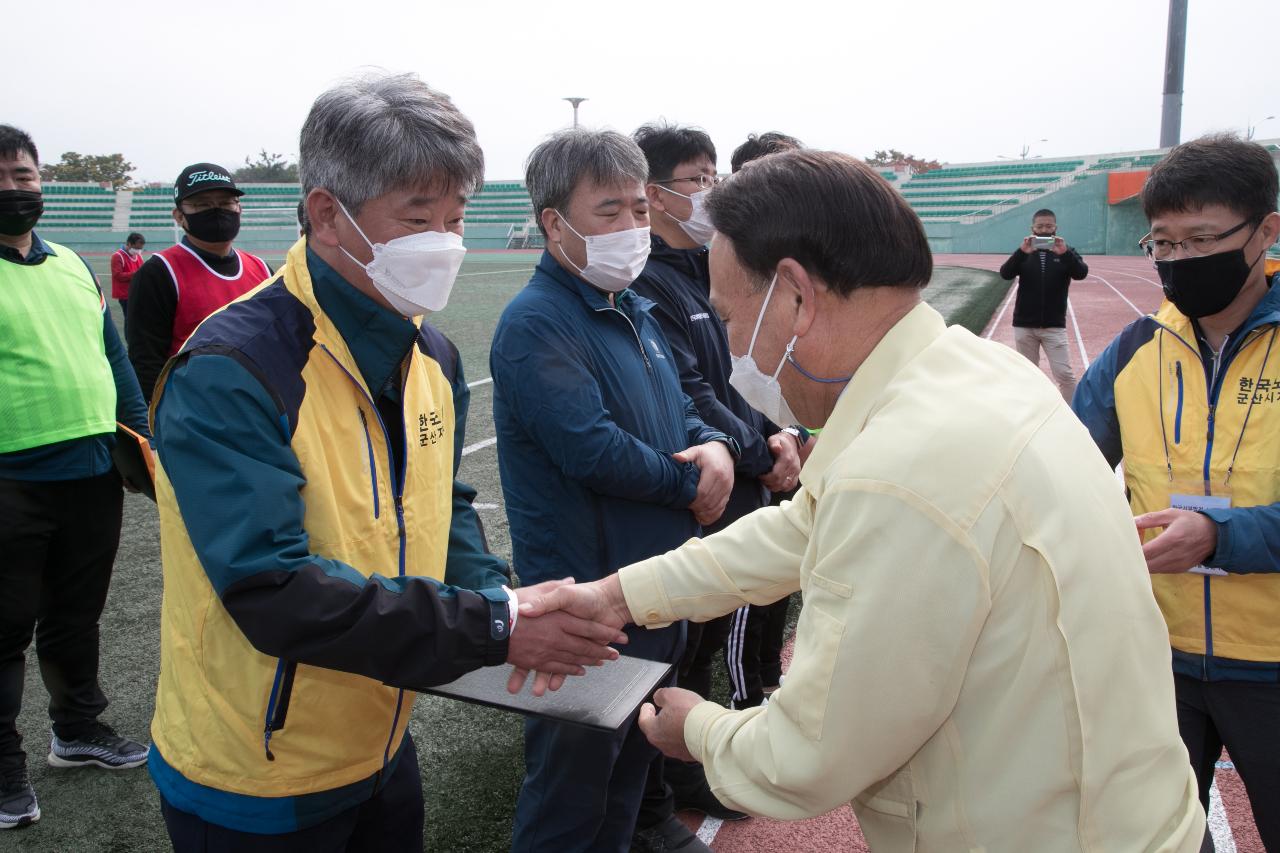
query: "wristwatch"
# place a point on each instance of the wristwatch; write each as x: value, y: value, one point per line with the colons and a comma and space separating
x: 799, y: 433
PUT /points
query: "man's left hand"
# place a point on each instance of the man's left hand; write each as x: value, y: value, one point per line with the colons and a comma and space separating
x: 1187, y: 541
x: 785, y: 448
x: 1059, y: 246
x: 664, y: 726
x: 715, y: 479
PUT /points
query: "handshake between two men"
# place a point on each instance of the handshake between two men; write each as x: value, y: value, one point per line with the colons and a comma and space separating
x: 564, y: 627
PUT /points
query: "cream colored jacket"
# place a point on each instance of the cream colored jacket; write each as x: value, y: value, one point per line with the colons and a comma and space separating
x: 979, y: 664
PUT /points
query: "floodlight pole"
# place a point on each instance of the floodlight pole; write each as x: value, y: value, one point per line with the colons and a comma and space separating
x: 1251, y: 129
x: 1175, y: 54
x: 575, y: 102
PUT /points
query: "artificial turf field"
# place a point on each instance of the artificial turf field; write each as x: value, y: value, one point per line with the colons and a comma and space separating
x: 470, y: 757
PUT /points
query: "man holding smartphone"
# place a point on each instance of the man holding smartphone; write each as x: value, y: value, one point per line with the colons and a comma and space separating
x: 1045, y: 266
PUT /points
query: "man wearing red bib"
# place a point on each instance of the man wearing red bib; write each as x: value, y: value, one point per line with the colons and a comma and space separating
x: 177, y: 288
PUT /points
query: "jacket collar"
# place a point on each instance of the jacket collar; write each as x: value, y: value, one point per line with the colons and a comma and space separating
x: 596, y: 300
x: 36, y: 254
x: 298, y: 281
x: 378, y: 338
x: 690, y: 262
x: 1265, y: 313
x: 908, y: 337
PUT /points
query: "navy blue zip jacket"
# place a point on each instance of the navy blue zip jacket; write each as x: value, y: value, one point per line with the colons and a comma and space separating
x: 679, y: 284
x: 588, y: 410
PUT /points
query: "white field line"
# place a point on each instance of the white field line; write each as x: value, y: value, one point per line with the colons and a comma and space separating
x: 1013, y: 290
x: 711, y: 825
x: 495, y: 272
x: 1135, y: 308
x: 1084, y: 356
x: 479, y: 445
x: 1219, y: 827
x: 1149, y: 281
x: 480, y: 382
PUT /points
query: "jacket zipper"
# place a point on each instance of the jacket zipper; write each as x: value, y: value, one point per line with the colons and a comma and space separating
x: 373, y: 469
x: 278, y: 703
x: 1214, y: 391
x: 643, y: 354
x: 1177, y: 414
x: 397, y: 493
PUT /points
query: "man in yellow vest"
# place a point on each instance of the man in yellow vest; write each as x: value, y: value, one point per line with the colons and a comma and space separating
x: 64, y: 382
x: 1189, y: 399
x: 320, y: 558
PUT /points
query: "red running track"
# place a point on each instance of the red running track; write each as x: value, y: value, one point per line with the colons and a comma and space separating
x: 1117, y: 291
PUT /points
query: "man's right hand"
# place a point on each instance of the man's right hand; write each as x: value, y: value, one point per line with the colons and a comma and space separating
x: 556, y: 642
x: 1028, y: 244
x: 598, y: 601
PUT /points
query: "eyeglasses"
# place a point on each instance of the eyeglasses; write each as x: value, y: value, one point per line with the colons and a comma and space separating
x: 1198, y: 244
x: 202, y: 205
x: 704, y: 182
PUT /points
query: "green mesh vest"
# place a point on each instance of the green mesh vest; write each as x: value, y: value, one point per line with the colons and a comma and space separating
x: 55, y: 380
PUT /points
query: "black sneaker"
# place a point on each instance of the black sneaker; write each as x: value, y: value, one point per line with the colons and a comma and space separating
x: 671, y: 834
x: 702, y: 800
x: 99, y: 746
x: 18, y: 806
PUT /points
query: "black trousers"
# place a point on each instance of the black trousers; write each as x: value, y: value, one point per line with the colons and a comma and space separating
x: 703, y: 648
x: 753, y: 651
x: 390, y: 821
x: 1245, y: 718
x: 773, y: 632
x: 58, y: 542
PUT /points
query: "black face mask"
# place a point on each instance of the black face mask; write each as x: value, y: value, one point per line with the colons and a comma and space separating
x: 1201, y: 287
x: 20, y: 210
x: 214, y: 225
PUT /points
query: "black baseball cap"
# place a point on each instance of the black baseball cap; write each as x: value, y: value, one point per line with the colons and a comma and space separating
x: 199, y: 177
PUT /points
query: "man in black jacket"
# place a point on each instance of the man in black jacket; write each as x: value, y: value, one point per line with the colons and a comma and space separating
x: 682, y: 169
x: 1040, y: 311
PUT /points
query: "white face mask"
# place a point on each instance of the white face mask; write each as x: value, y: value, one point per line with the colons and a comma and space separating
x: 762, y: 393
x: 613, y: 260
x: 698, y: 226
x: 133, y: 253
x: 416, y: 272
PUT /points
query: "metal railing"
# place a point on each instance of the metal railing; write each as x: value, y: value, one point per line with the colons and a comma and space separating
x: 989, y: 210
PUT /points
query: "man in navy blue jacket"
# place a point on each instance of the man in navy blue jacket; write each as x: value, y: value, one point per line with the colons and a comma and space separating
x: 604, y: 460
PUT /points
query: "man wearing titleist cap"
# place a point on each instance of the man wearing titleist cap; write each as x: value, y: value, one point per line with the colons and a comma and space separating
x: 177, y: 288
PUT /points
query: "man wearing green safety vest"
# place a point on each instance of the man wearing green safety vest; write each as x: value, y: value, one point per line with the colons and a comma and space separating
x: 64, y: 383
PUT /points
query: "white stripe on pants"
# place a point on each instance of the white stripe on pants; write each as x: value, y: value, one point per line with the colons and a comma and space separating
x: 733, y: 652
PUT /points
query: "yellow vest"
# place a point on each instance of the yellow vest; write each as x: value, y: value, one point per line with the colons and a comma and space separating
x: 1166, y: 426
x: 234, y: 719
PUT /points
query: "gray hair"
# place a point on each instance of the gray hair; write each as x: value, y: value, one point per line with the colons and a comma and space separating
x: 555, y: 167
x: 377, y: 133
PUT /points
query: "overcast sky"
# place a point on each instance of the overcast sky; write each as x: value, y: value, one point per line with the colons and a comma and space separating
x: 171, y: 83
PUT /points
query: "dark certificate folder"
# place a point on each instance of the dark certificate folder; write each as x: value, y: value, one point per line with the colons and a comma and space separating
x: 132, y: 455
x: 603, y: 699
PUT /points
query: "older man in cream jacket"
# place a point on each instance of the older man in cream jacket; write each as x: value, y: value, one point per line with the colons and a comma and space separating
x: 979, y: 663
